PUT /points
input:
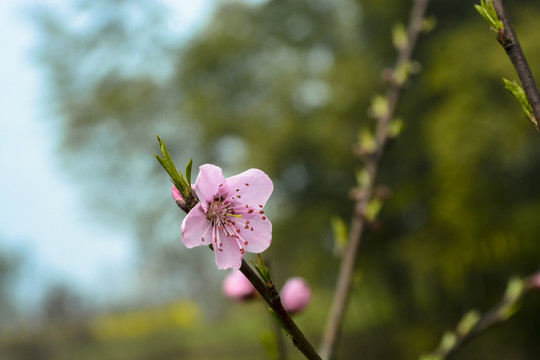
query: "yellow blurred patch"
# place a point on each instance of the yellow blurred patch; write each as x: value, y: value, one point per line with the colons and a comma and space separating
x: 143, y: 322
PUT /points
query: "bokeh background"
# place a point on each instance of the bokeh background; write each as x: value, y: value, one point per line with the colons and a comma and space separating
x: 91, y: 262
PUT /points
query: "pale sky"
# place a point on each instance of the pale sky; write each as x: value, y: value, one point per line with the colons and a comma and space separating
x: 40, y: 212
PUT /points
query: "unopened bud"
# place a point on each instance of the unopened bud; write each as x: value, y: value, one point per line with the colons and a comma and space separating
x: 236, y: 286
x: 295, y: 295
x: 534, y: 281
x: 179, y: 200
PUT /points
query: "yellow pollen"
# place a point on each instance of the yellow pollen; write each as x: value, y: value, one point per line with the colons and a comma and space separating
x: 238, y: 216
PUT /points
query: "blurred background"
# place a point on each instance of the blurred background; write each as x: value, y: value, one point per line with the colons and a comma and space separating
x: 91, y: 262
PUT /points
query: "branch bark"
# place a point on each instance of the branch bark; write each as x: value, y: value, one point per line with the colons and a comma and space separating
x: 272, y: 298
x: 517, y: 57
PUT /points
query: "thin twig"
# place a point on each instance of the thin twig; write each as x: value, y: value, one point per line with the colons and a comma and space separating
x: 516, y: 291
x: 271, y: 296
x: 341, y: 294
x: 515, y: 53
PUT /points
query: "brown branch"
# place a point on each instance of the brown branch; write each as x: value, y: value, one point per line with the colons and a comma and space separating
x: 342, y: 291
x: 515, y: 53
x: 271, y: 296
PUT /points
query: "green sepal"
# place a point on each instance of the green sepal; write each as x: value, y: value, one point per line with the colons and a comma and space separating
x: 488, y: 12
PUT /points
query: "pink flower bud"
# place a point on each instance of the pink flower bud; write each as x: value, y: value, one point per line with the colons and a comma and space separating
x: 176, y: 194
x: 534, y: 281
x: 237, y: 286
x: 295, y: 295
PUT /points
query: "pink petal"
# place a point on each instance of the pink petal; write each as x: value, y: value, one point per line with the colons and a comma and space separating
x: 210, y: 183
x: 260, y: 237
x: 253, y: 186
x: 229, y: 256
x: 196, y: 228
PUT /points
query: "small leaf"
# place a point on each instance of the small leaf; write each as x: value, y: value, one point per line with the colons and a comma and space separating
x: 373, y: 208
x: 399, y: 36
x: 395, y: 127
x: 448, y: 341
x: 515, y: 89
x: 488, y: 12
x: 467, y: 322
x: 188, y: 171
x: 176, y: 177
x: 362, y: 178
x: 263, y: 271
x: 402, y: 72
x: 367, y: 141
x: 429, y: 23
x: 379, y: 106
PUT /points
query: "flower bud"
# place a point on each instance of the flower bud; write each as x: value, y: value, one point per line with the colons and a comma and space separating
x: 534, y: 281
x: 295, y: 295
x: 237, y: 286
x: 179, y: 200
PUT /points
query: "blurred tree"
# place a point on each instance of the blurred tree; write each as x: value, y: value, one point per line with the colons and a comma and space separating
x: 284, y: 86
x: 9, y: 266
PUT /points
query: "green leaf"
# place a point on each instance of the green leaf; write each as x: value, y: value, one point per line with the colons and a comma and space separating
x: 362, y: 178
x: 263, y: 271
x: 373, y: 208
x: 379, y: 106
x: 395, y: 127
x: 188, y: 171
x: 467, y: 322
x: 176, y: 177
x: 399, y: 36
x: 488, y: 12
x: 448, y: 341
x: 515, y: 89
x: 367, y: 141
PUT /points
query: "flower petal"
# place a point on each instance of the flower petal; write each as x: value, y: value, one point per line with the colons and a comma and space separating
x: 196, y: 228
x: 253, y: 186
x: 210, y: 183
x: 229, y: 256
x: 260, y: 237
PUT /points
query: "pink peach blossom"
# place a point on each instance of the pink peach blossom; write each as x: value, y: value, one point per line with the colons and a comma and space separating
x: 237, y: 286
x: 295, y: 295
x: 230, y: 215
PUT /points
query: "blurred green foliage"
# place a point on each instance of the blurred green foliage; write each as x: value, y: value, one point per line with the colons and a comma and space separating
x: 284, y: 86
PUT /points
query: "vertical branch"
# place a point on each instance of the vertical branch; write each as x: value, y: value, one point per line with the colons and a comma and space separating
x: 342, y: 291
x: 513, y: 49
